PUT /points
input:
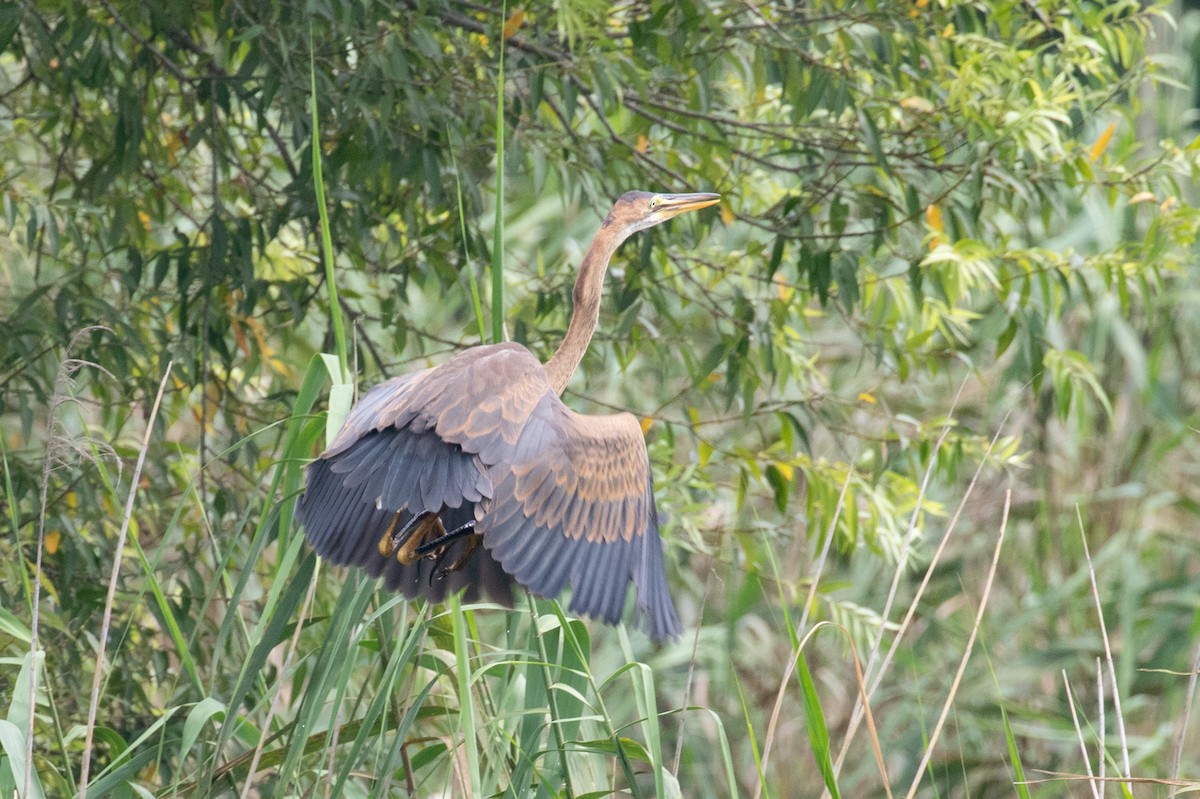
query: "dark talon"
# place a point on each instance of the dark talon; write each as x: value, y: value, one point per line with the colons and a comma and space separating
x: 440, y: 571
x: 458, y: 532
x: 472, y: 545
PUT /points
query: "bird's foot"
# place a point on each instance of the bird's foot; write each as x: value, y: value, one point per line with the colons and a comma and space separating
x: 440, y: 571
x: 387, y: 544
x: 473, y: 543
x: 434, y: 547
x: 427, y: 532
x: 409, y: 543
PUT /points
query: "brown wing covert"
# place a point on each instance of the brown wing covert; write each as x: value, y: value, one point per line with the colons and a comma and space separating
x: 556, y: 498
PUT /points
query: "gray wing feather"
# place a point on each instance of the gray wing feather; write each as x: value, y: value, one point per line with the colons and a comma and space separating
x: 562, y: 513
x: 559, y: 498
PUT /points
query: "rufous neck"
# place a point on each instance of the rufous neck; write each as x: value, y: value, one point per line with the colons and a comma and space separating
x: 586, y: 307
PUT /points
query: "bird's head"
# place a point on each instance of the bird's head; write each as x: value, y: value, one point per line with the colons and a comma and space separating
x: 638, y: 210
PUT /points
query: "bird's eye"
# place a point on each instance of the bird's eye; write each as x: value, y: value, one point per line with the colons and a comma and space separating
x: 653, y: 203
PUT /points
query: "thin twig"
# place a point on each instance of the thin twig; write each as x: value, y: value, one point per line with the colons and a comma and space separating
x: 56, y: 442
x: 1087, y: 760
x: 856, y: 717
x: 962, y: 664
x: 687, y: 686
x: 1061, y: 776
x: 1112, y: 672
x: 1183, y: 723
x: 85, y: 766
x: 815, y: 578
x: 1100, y: 721
x: 862, y: 689
x: 913, y: 526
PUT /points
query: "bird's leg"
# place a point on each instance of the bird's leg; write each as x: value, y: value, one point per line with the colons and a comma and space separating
x: 473, y: 543
x: 387, y: 544
x: 441, y: 571
x: 412, y: 549
x: 457, y: 532
x: 439, y: 548
x: 406, y: 539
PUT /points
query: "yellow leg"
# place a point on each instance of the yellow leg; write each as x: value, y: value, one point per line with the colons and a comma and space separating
x: 428, y: 529
x: 386, y: 545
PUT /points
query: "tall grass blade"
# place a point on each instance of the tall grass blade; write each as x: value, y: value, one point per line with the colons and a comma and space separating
x: 751, y: 738
x: 498, y: 228
x: 466, y: 700
x: 12, y: 730
x: 476, y: 305
x: 268, y: 636
x: 818, y: 731
x: 335, y: 308
x: 966, y: 656
x: 647, y: 705
x: 375, y: 712
x: 1014, y: 755
x: 329, y: 670
x: 539, y: 640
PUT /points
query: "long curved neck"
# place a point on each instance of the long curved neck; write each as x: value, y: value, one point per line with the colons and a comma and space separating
x: 586, y: 311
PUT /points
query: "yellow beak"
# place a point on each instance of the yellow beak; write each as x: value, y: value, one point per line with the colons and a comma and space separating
x: 671, y: 205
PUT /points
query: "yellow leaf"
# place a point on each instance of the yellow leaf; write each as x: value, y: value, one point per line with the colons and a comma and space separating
x: 1168, y: 204
x: 918, y: 104
x: 53, y: 539
x: 781, y: 286
x: 643, y: 144
x: 867, y: 398
x: 726, y: 213
x: 1142, y: 197
x: 647, y: 423
x: 1102, y: 142
x: 239, y: 337
x: 705, y: 452
x: 513, y: 23
x: 933, y: 218
x: 786, y: 470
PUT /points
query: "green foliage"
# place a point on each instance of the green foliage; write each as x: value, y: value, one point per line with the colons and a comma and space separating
x: 956, y: 241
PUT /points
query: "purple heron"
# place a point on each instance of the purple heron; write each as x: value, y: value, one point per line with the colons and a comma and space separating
x: 473, y: 473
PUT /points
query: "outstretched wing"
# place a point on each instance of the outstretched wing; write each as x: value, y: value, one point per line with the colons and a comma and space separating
x: 559, y: 498
x: 575, y: 505
x: 344, y: 526
x: 371, y: 481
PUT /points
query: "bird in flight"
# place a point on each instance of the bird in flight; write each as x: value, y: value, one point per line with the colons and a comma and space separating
x: 473, y: 473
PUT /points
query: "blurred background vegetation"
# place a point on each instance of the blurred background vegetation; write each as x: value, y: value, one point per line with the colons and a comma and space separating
x: 949, y: 296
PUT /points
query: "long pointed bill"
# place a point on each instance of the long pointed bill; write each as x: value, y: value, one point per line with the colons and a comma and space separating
x: 672, y: 205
